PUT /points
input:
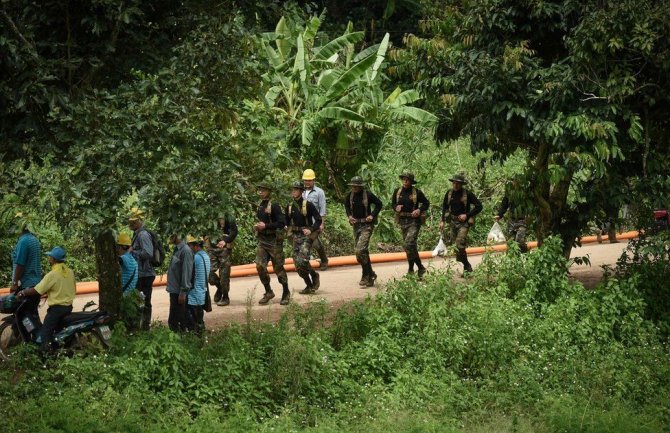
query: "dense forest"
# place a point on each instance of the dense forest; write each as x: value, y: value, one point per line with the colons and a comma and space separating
x: 182, y: 107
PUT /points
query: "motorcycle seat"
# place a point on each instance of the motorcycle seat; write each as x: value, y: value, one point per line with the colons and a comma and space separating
x: 82, y: 316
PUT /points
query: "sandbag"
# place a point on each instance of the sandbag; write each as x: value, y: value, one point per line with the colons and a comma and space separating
x: 496, y: 235
x: 440, y: 248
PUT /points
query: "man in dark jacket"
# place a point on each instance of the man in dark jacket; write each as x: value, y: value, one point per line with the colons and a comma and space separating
x: 304, y: 221
x: 459, y: 209
x: 410, y: 206
x: 179, y: 284
x: 220, y: 249
x: 143, y: 250
x: 362, y: 217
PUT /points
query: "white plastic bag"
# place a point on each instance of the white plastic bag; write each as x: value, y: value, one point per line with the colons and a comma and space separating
x: 440, y: 248
x: 496, y: 235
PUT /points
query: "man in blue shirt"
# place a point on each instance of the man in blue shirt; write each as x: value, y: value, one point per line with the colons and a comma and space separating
x: 316, y: 195
x: 196, y: 297
x: 129, y: 266
x: 27, y: 267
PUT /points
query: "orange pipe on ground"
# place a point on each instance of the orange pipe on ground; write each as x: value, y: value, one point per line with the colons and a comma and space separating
x: 249, y: 269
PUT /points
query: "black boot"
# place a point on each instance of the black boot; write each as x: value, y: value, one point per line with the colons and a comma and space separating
x: 372, y: 277
x: 225, y: 300
x: 218, y: 294
x: 316, y: 280
x: 364, y: 277
x: 269, y: 294
x: 286, y: 295
x: 420, y: 267
x: 309, y: 288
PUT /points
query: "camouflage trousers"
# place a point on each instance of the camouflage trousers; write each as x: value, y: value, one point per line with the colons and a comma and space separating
x: 362, y: 235
x: 409, y: 227
x: 221, y: 259
x: 456, y: 233
x: 302, y: 246
x: 319, y: 248
x: 270, y: 248
x: 516, y: 230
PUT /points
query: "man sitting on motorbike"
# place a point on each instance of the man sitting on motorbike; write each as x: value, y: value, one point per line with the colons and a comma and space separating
x: 59, y: 286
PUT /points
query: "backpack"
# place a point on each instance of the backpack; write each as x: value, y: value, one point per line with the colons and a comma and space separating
x: 464, y: 200
x: 159, y: 253
x: 413, y: 197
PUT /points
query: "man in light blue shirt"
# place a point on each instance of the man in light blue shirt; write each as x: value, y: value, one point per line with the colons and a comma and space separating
x: 316, y: 195
x: 179, y: 283
x: 129, y: 266
x: 27, y: 267
x: 196, y: 297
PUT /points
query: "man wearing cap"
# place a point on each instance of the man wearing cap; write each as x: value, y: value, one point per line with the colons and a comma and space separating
x: 410, y: 206
x: 131, y: 303
x: 270, y: 235
x: 179, y: 283
x: 59, y: 286
x: 362, y: 217
x: 459, y: 209
x: 316, y: 195
x: 27, y: 266
x: 196, y: 297
x: 303, y: 220
x: 142, y: 249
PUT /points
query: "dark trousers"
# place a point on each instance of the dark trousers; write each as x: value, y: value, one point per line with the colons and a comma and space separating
x: 55, y: 314
x: 178, y: 320
x: 145, y: 285
x: 30, y: 310
x: 196, y: 320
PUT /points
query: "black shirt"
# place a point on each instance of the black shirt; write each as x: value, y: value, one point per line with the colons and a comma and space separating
x: 406, y: 201
x: 228, y: 233
x: 514, y: 211
x: 358, y: 210
x: 456, y: 206
x: 274, y: 220
x: 295, y: 218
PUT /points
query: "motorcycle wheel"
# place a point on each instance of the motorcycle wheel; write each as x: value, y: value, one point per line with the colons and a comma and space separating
x: 9, y: 337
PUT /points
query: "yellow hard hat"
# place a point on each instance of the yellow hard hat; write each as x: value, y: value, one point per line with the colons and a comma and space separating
x: 124, y: 239
x: 135, y: 214
x: 190, y: 239
x: 308, y: 174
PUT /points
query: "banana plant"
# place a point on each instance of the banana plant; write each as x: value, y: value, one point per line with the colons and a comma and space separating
x: 330, y: 96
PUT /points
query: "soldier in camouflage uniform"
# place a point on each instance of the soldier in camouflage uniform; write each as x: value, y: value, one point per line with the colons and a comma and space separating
x: 410, y: 206
x: 270, y: 234
x: 303, y: 221
x: 516, y: 225
x: 459, y: 208
x: 362, y: 218
x: 220, y: 249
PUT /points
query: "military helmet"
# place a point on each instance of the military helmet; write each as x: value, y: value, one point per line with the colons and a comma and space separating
x: 298, y: 185
x: 356, y: 181
x: 265, y: 185
x: 460, y: 178
x: 408, y: 175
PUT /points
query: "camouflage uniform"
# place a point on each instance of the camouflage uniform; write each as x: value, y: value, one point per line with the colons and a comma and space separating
x: 410, y: 199
x: 271, y: 246
x: 360, y: 205
x: 221, y: 259
x: 300, y: 215
x: 517, y: 225
x: 455, y: 203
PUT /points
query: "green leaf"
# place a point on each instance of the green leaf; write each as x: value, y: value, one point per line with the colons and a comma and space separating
x: 283, y: 38
x: 381, y: 54
x: 349, y: 77
x: 271, y: 95
x: 405, y: 98
x: 414, y: 113
x: 366, y: 52
x: 311, y: 29
x: 339, y: 113
x: 307, y: 132
x: 338, y: 44
x: 299, y: 63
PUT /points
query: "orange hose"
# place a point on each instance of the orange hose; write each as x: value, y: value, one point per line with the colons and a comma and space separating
x: 249, y: 269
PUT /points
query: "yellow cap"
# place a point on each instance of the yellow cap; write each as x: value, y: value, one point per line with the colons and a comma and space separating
x: 308, y: 174
x: 124, y: 239
x: 135, y: 214
x: 190, y: 239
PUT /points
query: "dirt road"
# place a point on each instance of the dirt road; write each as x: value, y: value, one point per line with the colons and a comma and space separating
x: 340, y: 285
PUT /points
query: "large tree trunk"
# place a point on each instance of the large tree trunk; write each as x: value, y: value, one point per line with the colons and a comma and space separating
x: 109, y: 272
x: 541, y: 189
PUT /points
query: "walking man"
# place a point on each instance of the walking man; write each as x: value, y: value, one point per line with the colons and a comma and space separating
x: 316, y: 195
x: 27, y: 266
x: 143, y: 250
x: 179, y: 284
x: 59, y: 286
x: 303, y: 220
x: 410, y: 206
x: 517, y: 225
x: 362, y: 217
x: 196, y: 297
x: 270, y: 234
x: 459, y: 209
x: 220, y: 247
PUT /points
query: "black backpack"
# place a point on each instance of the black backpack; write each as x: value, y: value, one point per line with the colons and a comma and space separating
x: 159, y: 253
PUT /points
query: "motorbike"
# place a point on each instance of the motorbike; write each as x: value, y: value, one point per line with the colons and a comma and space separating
x: 76, y: 330
x: 661, y: 220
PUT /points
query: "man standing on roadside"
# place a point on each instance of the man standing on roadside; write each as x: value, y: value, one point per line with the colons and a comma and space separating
x: 142, y: 249
x: 316, y: 195
x: 362, y: 217
x: 196, y: 297
x: 220, y: 248
x: 459, y: 209
x: 270, y: 235
x: 303, y: 221
x: 60, y: 288
x: 517, y: 225
x: 410, y: 206
x: 27, y: 266
x: 179, y: 283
